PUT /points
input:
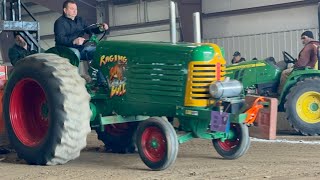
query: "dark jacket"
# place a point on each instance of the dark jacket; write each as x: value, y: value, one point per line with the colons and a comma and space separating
x: 241, y: 60
x: 308, y: 55
x: 17, y: 52
x: 66, y: 30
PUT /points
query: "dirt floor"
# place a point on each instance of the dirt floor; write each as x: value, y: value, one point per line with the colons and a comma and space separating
x: 196, y: 160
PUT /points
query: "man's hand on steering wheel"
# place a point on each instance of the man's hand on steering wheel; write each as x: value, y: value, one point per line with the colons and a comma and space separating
x: 79, y: 41
x: 288, y: 58
x: 103, y: 27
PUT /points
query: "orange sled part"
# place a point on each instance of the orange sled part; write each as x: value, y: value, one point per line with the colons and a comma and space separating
x: 254, y: 110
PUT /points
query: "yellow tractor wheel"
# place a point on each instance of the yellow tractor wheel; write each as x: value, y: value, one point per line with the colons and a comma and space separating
x: 302, y: 106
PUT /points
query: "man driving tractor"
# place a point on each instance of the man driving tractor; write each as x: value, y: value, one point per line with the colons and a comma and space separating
x: 69, y: 30
x: 307, y: 57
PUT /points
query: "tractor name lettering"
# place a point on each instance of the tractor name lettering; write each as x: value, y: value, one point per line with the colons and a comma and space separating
x: 112, y: 58
x: 118, y: 90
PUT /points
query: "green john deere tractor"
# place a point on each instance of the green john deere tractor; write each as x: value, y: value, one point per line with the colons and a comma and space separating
x: 49, y: 109
x: 300, y: 97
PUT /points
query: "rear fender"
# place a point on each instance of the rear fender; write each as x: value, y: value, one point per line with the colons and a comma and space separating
x: 65, y: 52
x: 294, y: 77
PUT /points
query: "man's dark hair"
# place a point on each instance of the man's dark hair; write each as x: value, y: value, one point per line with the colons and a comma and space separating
x: 65, y: 4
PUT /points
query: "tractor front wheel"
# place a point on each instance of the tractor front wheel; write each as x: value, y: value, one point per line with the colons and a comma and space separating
x: 157, y: 143
x: 302, y: 106
x: 236, y: 145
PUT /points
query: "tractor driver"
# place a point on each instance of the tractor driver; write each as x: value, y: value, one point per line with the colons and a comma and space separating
x: 68, y: 31
x: 307, y: 57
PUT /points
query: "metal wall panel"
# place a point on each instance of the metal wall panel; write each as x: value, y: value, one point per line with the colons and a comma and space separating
x: 144, y: 11
x: 126, y: 14
x: 157, y: 10
x: 263, y: 45
x: 260, y: 22
x: 212, y: 6
x: 141, y: 12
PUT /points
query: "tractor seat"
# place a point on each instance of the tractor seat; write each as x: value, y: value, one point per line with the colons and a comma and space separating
x: 281, y: 65
x: 66, y: 52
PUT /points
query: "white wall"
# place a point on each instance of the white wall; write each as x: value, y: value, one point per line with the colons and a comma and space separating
x: 259, y: 34
x: 212, y: 6
x: 139, y: 13
x: 261, y: 22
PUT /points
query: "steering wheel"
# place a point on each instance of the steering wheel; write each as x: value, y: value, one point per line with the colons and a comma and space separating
x: 288, y: 58
x: 93, y: 37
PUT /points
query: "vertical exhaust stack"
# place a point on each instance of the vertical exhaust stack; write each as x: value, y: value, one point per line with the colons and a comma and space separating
x: 4, y: 10
x: 318, y: 36
x: 173, y: 23
x: 196, y: 27
x: 319, y: 21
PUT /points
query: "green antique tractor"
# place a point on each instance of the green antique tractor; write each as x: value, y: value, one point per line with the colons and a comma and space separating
x: 49, y: 109
x: 300, y: 97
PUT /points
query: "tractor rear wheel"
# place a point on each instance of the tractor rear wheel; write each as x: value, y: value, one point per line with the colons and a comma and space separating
x: 46, y: 110
x: 302, y: 106
x: 119, y: 138
x: 157, y: 143
x: 236, y: 146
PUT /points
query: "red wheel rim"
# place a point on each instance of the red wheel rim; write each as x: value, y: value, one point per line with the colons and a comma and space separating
x: 230, y: 144
x: 154, y: 144
x: 29, y: 112
x: 117, y: 129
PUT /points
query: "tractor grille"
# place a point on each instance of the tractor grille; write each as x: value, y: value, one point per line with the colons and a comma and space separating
x: 200, y: 77
x: 156, y: 82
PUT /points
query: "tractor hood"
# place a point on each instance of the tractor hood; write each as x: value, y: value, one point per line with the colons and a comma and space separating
x: 254, y: 72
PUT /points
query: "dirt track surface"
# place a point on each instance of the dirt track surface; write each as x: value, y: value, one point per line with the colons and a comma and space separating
x: 196, y: 160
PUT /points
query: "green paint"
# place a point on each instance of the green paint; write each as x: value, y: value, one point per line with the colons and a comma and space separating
x: 314, y: 107
x: 154, y: 75
x: 94, y: 111
x: 154, y: 143
x: 198, y: 125
x: 148, y: 79
x: 232, y: 135
x: 223, y: 52
x: 251, y: 73
x: 66, y: 53
x: 185, y: 138
x: 120, y: 119
x: 203, y: 53
x: 293, y: 79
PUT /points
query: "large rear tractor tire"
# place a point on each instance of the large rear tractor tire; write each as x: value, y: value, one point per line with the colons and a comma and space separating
x: 157, y: 143
x: 302, y: 106
x: 235, y: 147
x: 119, y: 138
x: 46, y: 110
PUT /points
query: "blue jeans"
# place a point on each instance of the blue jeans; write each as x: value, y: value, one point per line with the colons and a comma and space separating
x: 86, y: 54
